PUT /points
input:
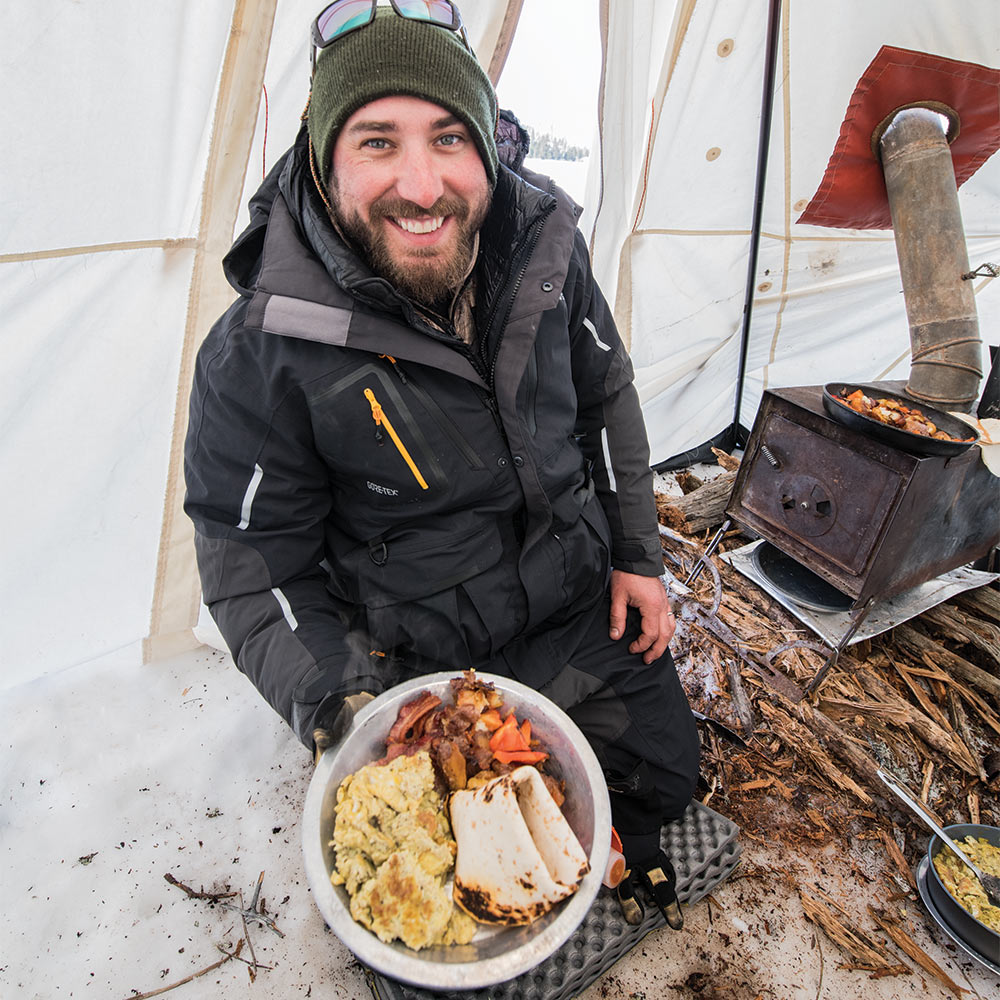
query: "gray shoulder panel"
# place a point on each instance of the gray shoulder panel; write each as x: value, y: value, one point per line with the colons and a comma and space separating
x: 306, y: 320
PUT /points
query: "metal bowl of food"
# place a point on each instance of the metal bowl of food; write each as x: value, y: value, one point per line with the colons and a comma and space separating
x: 496, y: 954
x: 974, y: 932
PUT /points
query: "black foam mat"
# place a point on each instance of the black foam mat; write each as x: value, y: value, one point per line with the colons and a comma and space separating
x: 704, y: 849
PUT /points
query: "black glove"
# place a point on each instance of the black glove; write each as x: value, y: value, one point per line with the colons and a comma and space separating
x: 334, y: 719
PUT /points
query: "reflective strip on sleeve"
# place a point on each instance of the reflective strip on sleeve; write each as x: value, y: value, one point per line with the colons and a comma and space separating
x: 607, y: 460
x: 593, y: 332
x: 286, y: 608
x: 258, y: 475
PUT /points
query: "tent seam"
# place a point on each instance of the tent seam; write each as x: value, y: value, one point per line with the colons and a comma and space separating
x: 656, y: 231
x: 602, y: 16
x: 786, y: 103
x: 167, y: 243
x: 505, y: 38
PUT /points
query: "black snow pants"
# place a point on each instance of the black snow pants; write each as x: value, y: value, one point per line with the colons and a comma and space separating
x: 638, y: 721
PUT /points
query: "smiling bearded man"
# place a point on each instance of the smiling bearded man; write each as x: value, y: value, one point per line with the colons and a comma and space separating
x: 428, y: 274
x: 400, y: 146
x: 415, y: 444
x: 377, y: 170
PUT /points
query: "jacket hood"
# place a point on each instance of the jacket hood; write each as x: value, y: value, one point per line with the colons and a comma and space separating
x: 290, y: 177
x: 291, y: 251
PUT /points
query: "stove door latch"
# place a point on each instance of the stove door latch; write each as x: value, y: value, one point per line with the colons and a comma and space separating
x: 808, y: 506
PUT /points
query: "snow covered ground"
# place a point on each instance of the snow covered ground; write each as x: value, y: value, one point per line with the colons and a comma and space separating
x: 115, y: 775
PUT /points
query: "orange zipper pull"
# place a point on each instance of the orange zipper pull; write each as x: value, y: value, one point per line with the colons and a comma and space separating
x: 381, y: 420
x: 376, y: 416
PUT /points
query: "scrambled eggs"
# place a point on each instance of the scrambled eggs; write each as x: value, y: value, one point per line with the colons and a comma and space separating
x: 394, y: 851
x: 964, y: 886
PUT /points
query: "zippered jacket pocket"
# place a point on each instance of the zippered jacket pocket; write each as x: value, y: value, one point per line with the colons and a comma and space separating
x: 377, y: 446
x: 382, y: 421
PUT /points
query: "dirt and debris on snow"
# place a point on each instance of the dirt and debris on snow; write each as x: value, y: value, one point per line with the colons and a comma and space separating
x: 117, y: 774
x: 829, y: 853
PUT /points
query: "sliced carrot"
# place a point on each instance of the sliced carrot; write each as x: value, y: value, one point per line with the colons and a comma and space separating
x: 526, y: 732
x: 520, y: 756
x: 510, y: 739
x: 491, y: 719
x: 500, y: 739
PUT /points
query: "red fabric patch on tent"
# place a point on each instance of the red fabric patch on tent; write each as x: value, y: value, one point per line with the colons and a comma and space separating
x: 852, y: 193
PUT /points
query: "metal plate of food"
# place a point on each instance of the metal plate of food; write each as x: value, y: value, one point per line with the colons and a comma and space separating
x: 984, y: 939
x: 834, y: 401
x: 495, y: 954
x: 925, y: 897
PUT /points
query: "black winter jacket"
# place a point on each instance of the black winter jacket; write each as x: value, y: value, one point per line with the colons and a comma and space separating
x: 363, y: 484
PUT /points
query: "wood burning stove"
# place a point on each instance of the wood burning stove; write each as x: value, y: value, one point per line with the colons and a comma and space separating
x: 869, y: 518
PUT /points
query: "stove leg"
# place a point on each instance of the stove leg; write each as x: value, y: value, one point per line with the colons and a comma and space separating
x: 856, y: 622
x: 712, y: 545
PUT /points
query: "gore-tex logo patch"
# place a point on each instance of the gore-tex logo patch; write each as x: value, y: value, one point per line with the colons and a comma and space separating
x: 386, y: 491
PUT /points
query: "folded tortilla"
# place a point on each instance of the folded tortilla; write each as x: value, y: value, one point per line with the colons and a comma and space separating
x: 517, y: 855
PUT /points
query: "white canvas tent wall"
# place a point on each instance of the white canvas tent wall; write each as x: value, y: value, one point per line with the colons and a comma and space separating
x: 680, y: 146
x: 134, y: 134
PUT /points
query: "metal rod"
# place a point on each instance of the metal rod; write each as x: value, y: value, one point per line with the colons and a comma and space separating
x: 703, y: 558
x: 763, y: 145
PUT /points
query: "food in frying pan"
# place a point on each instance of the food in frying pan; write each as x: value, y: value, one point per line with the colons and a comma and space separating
x: 893, y: 413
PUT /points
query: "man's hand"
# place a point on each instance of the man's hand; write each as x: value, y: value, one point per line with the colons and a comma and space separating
x: 647, y: 594
x: 334, y: 720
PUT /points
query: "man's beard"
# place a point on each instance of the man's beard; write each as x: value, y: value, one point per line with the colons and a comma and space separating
x: 430, y: 276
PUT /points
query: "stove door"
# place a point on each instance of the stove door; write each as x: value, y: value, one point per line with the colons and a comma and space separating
x: 818, y: 494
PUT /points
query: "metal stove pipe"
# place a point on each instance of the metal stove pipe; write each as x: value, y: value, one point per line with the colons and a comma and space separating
x: 946, y: 366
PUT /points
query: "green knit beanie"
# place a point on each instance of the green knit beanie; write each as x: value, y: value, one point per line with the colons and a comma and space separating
x: 394, y: 55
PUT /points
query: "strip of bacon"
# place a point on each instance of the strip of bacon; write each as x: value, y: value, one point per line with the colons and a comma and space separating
x: 408, y: 722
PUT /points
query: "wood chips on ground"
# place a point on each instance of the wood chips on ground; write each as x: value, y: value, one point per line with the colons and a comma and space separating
x: 919, y: 701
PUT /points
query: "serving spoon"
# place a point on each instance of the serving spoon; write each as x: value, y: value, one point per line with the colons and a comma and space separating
x: 990, y: 883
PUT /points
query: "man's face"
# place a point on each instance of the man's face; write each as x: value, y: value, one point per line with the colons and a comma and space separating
x: 409, y: 187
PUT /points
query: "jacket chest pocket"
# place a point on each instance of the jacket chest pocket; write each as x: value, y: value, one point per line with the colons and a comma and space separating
x: 373, y: 442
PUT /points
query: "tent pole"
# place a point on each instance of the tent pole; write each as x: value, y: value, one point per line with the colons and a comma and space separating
x: 763, y: 145
x: 501, y: 50
x: 177, y: 592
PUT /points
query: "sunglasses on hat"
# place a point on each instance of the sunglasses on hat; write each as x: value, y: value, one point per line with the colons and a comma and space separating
x: 344, y: 16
